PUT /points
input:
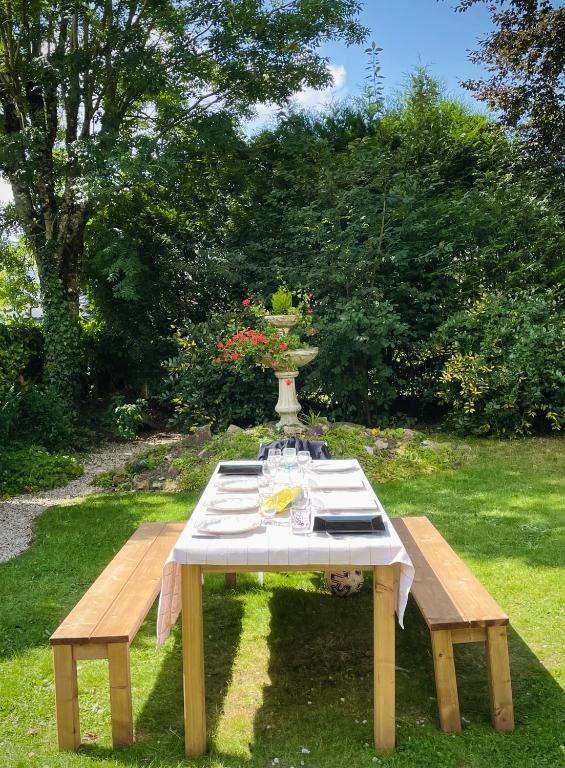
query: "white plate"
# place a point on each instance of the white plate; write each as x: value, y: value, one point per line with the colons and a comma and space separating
x: 241, y: 485
x: 228, y: 526
x: 334, y: 466
x: 233, y: 504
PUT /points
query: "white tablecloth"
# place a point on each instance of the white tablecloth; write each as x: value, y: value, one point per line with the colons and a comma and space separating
x: 276, y: 545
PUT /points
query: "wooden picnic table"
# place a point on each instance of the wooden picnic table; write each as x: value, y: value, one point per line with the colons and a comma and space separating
x: 276, y: 548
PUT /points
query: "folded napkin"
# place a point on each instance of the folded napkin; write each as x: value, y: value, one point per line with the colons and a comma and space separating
x: 353, y: 482
x: 337, y: 501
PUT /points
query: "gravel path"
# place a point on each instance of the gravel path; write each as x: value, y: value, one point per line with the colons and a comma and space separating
x: 18, y: 513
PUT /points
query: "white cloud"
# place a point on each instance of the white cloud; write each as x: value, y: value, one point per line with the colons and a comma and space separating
x: 308, y: 98
x: 5, y: 192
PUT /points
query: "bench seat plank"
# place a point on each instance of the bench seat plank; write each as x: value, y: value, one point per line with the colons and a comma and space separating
x: 123, y: 618
x: 446, y: 591
x: 117, y: 584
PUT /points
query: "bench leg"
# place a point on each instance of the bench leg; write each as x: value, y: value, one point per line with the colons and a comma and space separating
x: 446, y: 681
x: 499, y: 681
x: 120, y: 694
x: 66, y: 698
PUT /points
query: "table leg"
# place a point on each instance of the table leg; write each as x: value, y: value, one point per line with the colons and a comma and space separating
x: 193, y: 661
x: 384, y: 671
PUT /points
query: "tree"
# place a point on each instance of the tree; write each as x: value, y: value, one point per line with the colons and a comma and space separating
x: 525, y: 56
x: 85, y: 84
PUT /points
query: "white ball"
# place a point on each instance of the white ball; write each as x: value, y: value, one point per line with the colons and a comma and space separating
x: 344, y: 583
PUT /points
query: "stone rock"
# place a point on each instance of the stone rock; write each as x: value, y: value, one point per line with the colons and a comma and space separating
x: 141, y: 483
x: 171, y: 486
x: 408, y: 434
x: 204, y: 455
x: 173, y: 472
x: 431, y: 444
x: 370, y: 450
x: 157, y: 485
x: 381, y: 444
x: 233, y: 429
x: 196, y: 439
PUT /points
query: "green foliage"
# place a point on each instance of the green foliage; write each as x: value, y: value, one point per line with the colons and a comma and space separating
x: 281, y: 301
x: 125, y: 419
x: 43, y: 419
x: 503, y: 373
x: 202, y: 392
x: 405, y: 458
x: 24, y: 470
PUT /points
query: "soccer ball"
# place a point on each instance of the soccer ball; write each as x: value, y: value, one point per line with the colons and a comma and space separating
x: 344, y: 583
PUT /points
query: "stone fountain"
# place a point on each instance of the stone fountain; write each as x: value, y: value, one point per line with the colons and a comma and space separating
x: 287, y: 405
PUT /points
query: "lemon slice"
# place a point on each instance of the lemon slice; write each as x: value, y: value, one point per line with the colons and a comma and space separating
x: 281, y: 499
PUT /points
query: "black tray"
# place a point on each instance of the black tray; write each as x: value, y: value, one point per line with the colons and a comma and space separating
x: 349, y: 524
x: 240, y: 469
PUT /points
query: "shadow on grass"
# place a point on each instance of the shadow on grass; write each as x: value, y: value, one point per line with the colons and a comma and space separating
x: 321, y: 685
x: 159, y: 727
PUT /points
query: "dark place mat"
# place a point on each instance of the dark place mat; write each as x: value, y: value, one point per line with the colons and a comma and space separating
x: 240, y: 469
x: 349, y: 524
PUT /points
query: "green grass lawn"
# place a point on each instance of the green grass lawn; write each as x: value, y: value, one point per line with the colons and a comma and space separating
x: 289, y: 667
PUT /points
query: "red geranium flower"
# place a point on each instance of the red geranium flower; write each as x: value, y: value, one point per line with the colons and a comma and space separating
x: 250, y: 332
x: 289, y: 382
x: 262, y: 338
x: 311, y: 331
x: 218, y: 359
x: 284, y: 346
x: 220, y: 345
x: 310, y: 311
x: 246, y: 302
x: 234, y: 355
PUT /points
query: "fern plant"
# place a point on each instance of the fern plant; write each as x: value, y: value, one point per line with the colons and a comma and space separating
x: 281, y: 301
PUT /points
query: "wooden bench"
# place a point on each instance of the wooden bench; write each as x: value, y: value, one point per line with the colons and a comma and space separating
x: 102, y: 626
x: 457, y: 609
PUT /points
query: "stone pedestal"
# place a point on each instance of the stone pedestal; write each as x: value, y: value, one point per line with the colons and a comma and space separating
x: 287, y: 406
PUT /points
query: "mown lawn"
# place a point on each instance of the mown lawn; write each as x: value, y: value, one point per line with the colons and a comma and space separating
x: 288, y: 667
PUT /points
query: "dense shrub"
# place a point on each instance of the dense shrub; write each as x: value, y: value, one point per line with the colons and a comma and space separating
x: 21, y: 351
x: 203, y: 392
x: 125, y: 419
x: 32, y: 468
x: 42, y: 419
x: 504, y: 372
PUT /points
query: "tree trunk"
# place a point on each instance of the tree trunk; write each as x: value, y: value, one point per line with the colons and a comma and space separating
x: 58, y: 264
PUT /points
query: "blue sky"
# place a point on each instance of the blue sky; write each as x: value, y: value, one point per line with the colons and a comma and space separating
x: 410, y: 32
x: 413, y: 32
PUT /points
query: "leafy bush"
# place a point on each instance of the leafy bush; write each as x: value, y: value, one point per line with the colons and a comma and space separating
x: 21, y: 351
x: 124, y: 419
x: 42, y: 419
x: 504, y: 369
x: 202, y: 392
x: 23, y: 470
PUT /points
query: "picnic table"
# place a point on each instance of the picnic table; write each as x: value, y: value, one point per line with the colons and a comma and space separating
x: 273, y: 547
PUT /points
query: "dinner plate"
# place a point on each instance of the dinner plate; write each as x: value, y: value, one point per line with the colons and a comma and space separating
x: 242, y: 485
x: 334, y: 466
x: 233, y: 504
x: 228, y: 525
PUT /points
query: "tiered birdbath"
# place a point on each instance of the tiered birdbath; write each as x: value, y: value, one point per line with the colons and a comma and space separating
x: 287, y: 405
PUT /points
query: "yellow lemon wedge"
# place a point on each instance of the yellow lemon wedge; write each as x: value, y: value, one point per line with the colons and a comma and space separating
x: 281, y: 499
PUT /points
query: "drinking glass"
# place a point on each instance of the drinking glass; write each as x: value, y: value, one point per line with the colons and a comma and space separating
x: 269, y: 470
x: 289, y: 458
x: 304, y: 459
x: 301, y: 517
x: 265, y: 489
x: 274, y: 456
